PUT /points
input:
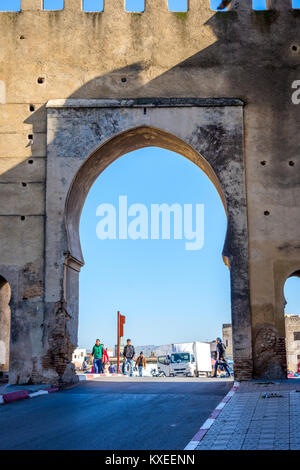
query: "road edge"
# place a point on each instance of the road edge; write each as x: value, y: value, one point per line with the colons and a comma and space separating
x: 10, y: 397
x: 194, y: 442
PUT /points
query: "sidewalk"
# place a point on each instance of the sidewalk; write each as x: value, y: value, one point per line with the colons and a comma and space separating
x: 249, y: 421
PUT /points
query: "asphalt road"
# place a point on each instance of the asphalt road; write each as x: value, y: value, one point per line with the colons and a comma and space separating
x: 113, y: 414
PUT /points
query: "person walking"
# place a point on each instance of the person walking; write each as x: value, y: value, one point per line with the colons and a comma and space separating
x: 105, y: 360
x: 221, y: 358
x: 141, y: 363
x: 128, y: 355
x: 97, y: 352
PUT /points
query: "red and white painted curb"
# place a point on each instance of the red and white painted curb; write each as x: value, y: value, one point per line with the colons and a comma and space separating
x: 210, y: 421
x: 23, y: 394
x: 95, y: 376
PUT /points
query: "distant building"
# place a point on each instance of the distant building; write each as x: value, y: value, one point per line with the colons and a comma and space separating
x: 78, y: 356
x: 110, y: 352
x: 213, y: 348
x: 227, y: 339
x: 151, y: 350
x: 292, y: 335
x: 122, y: 345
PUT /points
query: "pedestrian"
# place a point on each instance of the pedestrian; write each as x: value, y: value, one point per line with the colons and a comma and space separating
x: 128, y: 355
x: 84, y: 365
x: 141, y: 363
x: 97, y: 355
x: 221, y: 361
x: 105, y: 359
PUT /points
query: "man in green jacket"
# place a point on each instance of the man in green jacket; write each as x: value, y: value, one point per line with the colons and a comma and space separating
x: 97, y: 355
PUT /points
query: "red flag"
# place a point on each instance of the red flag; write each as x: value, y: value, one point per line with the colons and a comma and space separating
x: 122, y: 321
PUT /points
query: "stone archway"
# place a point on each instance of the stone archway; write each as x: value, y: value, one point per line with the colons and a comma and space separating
x: 114, y: 148
x: 84, y: 137
x: 5, y: 324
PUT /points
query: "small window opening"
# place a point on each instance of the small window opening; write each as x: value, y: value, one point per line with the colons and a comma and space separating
x: 178, y: 5
x: 53, y: 4
x: 135, y: 6
x: 93, y: 5
x: 11, y: 5
x: 259, y: 5
x: 214, y: 4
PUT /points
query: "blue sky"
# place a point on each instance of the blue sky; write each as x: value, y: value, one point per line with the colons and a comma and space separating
x: 292, y: 295
x: 131, y: 5
x: 167, y: 293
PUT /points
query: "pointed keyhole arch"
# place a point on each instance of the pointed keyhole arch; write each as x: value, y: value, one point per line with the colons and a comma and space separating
x: 101, y: 158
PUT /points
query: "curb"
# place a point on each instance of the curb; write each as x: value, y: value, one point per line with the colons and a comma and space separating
x: 210, y: 421
x: 95, y: 376
x: 23, y: 394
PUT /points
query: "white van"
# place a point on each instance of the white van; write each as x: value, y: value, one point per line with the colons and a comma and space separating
x: 186, y: 359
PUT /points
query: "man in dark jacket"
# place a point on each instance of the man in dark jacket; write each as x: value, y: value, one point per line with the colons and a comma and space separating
x: 97, y: 355
x: 128, y: 355
x: 221, y: 358
x: 141, y: 363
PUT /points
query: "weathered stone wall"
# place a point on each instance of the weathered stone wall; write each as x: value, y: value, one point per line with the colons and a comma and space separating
x: 292, y: 327
x: 227, y: 339
x: 292, y: 345
x: 4, y: 324
x: 241, y: 53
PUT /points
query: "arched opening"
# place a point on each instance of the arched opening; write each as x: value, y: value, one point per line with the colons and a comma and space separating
x: 169, y: 294
x: 5, y: 320
x: 227, y: 178
x: 292, y: 323
x: 119, y: 145
x: 124, y: 143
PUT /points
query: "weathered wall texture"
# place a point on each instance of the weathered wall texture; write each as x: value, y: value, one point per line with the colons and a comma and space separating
x: 71, y: 54
x: 292, y: 328
x: 227, y: 339
x: 4, y: 324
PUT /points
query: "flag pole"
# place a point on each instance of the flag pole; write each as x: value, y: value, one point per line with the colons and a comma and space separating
x: 118, y: 345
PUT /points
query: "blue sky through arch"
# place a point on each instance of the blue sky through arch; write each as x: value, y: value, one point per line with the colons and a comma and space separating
x: 292, y: 295
x: 167, y: 293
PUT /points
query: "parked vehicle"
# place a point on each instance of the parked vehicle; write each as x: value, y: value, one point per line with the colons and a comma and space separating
x: 186, y: 359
